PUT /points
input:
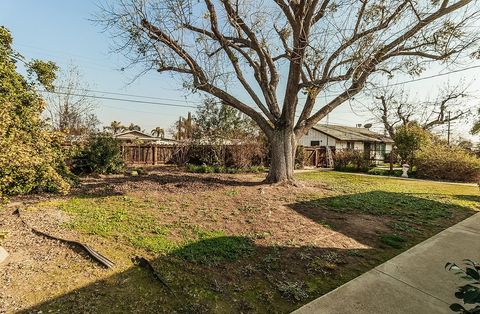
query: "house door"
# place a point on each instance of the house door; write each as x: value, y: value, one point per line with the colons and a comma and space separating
x: 367, y: 148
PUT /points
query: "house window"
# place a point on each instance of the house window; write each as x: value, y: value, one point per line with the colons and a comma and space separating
x: 315, y: 143
x: 350, y: 145
x: 382, y: 149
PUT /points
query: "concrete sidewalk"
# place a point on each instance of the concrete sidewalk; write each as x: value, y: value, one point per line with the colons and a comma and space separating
x: 412, y: 282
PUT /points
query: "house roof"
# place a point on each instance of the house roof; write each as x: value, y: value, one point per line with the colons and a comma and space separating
x: 346, y: 133
x: 137, y: 135
x: 133, y: 134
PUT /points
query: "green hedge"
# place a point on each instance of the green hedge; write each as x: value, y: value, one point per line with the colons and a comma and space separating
x: 441, y: 162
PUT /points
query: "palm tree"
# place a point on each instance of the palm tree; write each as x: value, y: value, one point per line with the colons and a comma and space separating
x: 134, y: 127
x: 158, y: 132
x: 115, y: 127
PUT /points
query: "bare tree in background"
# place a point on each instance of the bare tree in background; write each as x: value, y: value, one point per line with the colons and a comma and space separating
x: 260, y: 56
x: 69, y: 109
x: 394, y: 108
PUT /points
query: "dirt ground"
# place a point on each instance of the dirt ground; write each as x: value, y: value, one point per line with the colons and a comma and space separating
x: 43, y: 275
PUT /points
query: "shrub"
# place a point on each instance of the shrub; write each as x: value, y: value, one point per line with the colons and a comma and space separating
x: 244, y: 155
x: 441, y: 162
x: 102, y: 154
x: 235, y: 156
x: 221, y: 169
x: 350, y: 160
x: 386, y: 172
x: 300, y: 157
x: 31, y: 157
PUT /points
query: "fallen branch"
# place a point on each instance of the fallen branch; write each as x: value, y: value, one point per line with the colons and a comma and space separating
x: 144, y: 263
x: 87, y: 249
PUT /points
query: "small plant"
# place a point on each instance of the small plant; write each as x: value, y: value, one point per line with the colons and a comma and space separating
x: 102, y: 155
x: 292, y: 290
x: 248, y: 270
x: 3, y: 235
x: 470, y: 292
x: 393, y: 240
x: 204, y: 168
x: 231, y: 192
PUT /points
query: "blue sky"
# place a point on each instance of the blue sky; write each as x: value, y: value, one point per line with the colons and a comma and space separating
x: 60, y: 30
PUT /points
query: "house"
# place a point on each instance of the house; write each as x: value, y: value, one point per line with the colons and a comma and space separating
x: 134, y: 137
x: 338, y: 137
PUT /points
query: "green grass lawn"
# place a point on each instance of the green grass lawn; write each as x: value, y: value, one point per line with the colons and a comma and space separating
x: 210, y: 268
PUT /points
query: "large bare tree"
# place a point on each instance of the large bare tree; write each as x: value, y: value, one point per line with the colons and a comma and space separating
x: 260, y: 56
x: 394, y: 108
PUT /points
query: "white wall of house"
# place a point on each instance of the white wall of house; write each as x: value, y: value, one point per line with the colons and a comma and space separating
x: 359, y: 146
x: 322, y: 139
x: 339, y: 145
x: 313, y: 135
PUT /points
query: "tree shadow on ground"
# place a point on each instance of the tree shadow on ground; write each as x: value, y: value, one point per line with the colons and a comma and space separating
x: 232, y: 274
x: 222, y: 274
x: 179, y: 182
x: 470, y: 198
x: 367, y: 212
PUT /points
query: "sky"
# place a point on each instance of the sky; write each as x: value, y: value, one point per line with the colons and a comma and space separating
x: 62, y: 31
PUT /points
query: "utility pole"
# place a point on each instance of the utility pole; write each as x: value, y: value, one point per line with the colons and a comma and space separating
x: 448, y: 132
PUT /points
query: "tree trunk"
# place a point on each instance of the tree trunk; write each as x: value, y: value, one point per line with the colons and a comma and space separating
x: 283, y: 145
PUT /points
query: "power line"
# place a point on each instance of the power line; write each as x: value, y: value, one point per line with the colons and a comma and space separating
x: 119, y: 99
x: 195, y: 107
x: 413, y: 80
x: 127, y: 95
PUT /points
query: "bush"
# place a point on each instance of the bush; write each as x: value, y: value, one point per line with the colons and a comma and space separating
x: 386, y: 172
x: 221, y: 169
x: 34, y: 166
x: 300, y: 157
x: 102, y: 154
x: 233, y: 156
x: 351, y: 160
x: 441, y: 162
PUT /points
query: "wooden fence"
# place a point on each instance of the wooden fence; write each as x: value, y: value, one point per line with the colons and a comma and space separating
x: 147, y: 154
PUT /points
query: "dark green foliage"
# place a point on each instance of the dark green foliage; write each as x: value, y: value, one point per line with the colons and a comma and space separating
x: 470, y: 292
x: 217, y: 123
x: 387, y: 172
x: 102, y: 154
x: 393, y: 240
x: 351, y: 160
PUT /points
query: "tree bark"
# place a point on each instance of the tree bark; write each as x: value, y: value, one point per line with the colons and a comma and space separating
x: 283, y: 145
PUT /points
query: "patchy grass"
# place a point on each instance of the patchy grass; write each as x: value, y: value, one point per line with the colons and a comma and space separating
x: 418, y: 202
x: 224, y: 244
